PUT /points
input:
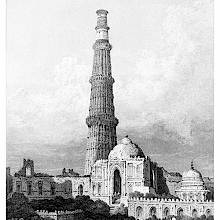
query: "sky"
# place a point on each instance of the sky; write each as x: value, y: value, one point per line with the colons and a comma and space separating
x: 162, y: 63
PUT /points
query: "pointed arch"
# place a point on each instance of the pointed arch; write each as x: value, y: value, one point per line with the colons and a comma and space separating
x: 180, y: 211
x: 117, y: 182
x: 139, y: 212
x: 166, y: 212
x: 80, y: 190
x: 153, y: 211
x: 194, y: 213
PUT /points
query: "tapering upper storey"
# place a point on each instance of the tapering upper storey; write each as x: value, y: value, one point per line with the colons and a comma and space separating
x: 101, y: 120
x: 102, y: 27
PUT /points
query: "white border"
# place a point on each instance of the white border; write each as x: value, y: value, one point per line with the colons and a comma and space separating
x: 3, y: 108
x: 217, y: 107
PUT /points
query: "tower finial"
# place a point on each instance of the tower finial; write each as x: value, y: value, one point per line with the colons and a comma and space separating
x: 192, y: 165
x: 102, y: 26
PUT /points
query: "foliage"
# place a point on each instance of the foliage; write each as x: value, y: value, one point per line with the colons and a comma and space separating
x: 91, y: 209
x: 119, y: 216
x: 18, y: 207
x: 99, y: 207
x: 122, y: 210
x: 84, y: 203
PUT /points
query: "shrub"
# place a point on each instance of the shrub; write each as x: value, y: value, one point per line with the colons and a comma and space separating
x: 18, y: 207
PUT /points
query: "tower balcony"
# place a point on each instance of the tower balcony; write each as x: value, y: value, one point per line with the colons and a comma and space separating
x: 98, y: 79
x: 102, y: 119
x: 102, y: 44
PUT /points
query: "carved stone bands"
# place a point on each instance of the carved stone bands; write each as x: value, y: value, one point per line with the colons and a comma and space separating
x: 101, y: 119
x: 100, y: 79
x: 102, y: 44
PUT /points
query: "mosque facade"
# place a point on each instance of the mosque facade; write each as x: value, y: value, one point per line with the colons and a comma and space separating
x: 113, y: 171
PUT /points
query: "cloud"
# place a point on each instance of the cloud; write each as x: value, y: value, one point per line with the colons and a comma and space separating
x: 173, y: 83
x: 163, y: 96
x: 54, y: 114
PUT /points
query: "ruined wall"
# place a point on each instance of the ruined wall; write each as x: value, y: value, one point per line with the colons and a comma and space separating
x: 80, y: 184
x: 42, y: 187
x: 9, y: 181
x: 167, y: 182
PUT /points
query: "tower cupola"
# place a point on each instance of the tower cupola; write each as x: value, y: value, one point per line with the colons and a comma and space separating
x: 102, y: 27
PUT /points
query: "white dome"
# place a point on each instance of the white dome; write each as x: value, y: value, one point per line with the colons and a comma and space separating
x: 125, y: 150
x: 192, y: 185
x: 192, y: 173
x: 192, y: 180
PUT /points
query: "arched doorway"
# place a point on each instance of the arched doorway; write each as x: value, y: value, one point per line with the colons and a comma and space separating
x: 208, y: 212
x: 116, y: 187
x: 80, y: 190
x: 194, y: 213
x: 29, y: 188
x: 180, y: 212
x: 139, y: 213
x: 93, y: 190
x: 153, y: 211
x: 117, y: 182
x: 99, y: 189
x: 166, y: 212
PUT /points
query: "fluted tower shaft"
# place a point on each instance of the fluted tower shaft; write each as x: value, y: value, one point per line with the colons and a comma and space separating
x: 101, y: 120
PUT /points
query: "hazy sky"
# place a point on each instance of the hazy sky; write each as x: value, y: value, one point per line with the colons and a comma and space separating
x: 162, y: 62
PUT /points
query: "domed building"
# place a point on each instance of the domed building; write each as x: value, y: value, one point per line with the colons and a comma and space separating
x: 192, y: 186
x: 126, y: 170
x: 126, y: 150
x: 192, y: 201
x: 113, y: 171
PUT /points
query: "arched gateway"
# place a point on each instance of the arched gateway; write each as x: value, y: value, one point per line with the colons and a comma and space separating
x: 117, y: 182
x: 116, y: 187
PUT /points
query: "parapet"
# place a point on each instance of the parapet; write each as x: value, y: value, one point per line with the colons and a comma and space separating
x: 161, y: 200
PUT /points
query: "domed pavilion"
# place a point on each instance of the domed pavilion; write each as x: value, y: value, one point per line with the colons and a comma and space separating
x: 192, y: 186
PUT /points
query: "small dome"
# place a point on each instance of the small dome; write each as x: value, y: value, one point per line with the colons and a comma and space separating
x: 192, y: 173
x: 192, y: 186
x: 125, y: 150
x: 126, y: 140
x: 192, y: 180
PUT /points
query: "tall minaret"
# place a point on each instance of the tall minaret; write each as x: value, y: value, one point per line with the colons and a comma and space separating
x: 101, y: 120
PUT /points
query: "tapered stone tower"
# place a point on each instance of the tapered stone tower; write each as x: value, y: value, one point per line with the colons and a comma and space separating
x: 101, y: 120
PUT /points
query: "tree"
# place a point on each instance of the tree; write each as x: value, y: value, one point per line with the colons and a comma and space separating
x: 136, y: 194
x: 99, y: 208
x: 121, y: 210
x: 121, y: 217
x: 18, y: 207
